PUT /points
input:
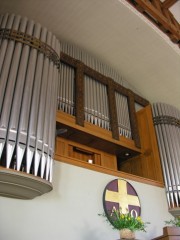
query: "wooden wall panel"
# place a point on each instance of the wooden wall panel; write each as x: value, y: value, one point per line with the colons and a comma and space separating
x: 83, y: 153
x: 148, y: 163
x: 61, y: 147
x: 103, y: 162
x: 109, y: 161
x: 79, y: 153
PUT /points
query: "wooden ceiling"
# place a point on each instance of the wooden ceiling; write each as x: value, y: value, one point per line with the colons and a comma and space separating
x: 159, y: 13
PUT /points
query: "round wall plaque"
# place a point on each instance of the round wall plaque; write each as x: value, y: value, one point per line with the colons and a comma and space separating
x: 121, y: 194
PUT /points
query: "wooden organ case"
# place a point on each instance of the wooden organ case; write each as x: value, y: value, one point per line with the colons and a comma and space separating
x: 99, y: 125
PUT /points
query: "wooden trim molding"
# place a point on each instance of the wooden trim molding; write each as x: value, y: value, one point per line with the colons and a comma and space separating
x: 108, y: 171
x: 94, y: 136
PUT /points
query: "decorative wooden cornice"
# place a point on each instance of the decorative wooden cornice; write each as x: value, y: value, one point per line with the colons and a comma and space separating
x: 158, y: 12
x: 106, y: 170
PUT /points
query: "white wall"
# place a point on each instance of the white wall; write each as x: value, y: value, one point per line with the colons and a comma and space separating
x: 70, y: 211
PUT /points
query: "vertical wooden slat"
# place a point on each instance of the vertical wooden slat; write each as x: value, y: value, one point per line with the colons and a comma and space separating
x: 133, y: 119
x: 113, y: 110
x: 148, y: 164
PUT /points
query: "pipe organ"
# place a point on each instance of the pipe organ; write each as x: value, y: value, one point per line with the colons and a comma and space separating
x: 167, y: 126
x: 92, y: 95
x: 96, y: 102
x: 29, y: 72
x: 36, y: 80
x: 96, y: 79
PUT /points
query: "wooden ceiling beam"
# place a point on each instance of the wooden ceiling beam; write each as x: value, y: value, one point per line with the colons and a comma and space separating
x: 160, y: 16
x: 149, y: 8
x: 168, y: 3
x: 157, y: 4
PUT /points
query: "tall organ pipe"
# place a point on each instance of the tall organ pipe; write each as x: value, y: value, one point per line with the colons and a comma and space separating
x: 95, y: 64
x: 29, y: 73
x: 167, y: 126
x: 96, y: 107
x: 95, y: 101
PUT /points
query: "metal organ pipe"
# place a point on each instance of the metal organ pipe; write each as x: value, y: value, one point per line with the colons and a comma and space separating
x: 167, y: 126
x: 66, y: 95
x: 123, y: 115
x: 29, y: 73
x: 96, y: 101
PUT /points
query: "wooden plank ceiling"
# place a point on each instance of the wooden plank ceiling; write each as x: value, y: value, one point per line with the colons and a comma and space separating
x: 159, y: 13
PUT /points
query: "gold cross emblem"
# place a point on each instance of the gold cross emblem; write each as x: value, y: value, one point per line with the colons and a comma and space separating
x: 122, y: 197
